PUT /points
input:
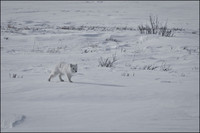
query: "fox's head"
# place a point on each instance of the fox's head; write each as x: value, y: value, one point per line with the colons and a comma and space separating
x: 74, y: 68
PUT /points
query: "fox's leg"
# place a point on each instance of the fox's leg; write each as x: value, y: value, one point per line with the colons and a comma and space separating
x: 69, y: 77
x: 52, y: 75
x: 60, y: 77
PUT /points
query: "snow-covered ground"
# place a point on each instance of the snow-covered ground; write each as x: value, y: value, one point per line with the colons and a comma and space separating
x: 153, y: 85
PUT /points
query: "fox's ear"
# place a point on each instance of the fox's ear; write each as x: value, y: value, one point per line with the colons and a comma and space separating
x: 70, y: 65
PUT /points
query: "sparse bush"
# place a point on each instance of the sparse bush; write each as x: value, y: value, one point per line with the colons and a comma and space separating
x: 6, y: 38
x: 191, y: 50
x: 194, y: 32
x: 178, y: 29
x: 125, y: 74
x: 10, y: 26
x: 164, y: 31
x: 195, y: 68
x: 112, y: 39
x: 165, y: 67
x: 150, y: 67
x: 14, y: 75
x: 183, y: 75
x: 141, y: 29
x: 162, y: 67
x: 95, y: 28
x: 155, y: 28
x: 88, y: 50
x: 154, y: 24
x: 107, y: 62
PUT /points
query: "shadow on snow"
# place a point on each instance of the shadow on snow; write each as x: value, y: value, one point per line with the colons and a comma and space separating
x: 99, y: 84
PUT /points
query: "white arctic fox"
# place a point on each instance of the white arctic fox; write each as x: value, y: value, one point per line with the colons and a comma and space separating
x: 64, y: 69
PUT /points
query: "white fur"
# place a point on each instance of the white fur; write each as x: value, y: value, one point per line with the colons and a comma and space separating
x: 63, y: 69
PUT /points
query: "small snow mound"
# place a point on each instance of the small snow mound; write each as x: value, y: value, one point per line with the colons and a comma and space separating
x: 10, y: 121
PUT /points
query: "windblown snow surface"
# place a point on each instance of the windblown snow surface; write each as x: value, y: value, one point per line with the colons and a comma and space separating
x: 153, y: 85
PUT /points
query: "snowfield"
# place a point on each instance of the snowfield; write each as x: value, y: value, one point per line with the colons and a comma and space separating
x: 153, y: 85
